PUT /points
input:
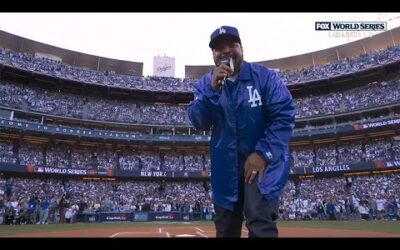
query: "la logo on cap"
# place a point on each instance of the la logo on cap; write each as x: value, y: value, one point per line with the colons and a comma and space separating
x: 222, y: 30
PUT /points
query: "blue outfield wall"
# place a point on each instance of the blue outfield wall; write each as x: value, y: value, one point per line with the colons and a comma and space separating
x: 138, y: 216
x: 316, y: 170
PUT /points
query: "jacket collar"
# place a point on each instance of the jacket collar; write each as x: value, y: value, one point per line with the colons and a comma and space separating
x: 245, y: 71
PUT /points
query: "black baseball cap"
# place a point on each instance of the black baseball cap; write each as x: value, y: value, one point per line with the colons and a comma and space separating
x: 224, y: 31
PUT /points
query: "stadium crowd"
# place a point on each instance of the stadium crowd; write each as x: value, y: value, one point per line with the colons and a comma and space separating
x: 384, y: 149
x: 28, y: 200
x: 110, y: 78
x: 47, y: 200
x: 63, y: 156
x: 343, y: 66
x: 342, y: 198
x: 94, y: 108
x: 38, y: 200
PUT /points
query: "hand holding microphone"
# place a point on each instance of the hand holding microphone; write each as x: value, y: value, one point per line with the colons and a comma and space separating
x: 221, y: 72
x: 225, y: 61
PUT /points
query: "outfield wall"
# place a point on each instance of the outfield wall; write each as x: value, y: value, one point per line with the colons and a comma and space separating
x: 140, y: 216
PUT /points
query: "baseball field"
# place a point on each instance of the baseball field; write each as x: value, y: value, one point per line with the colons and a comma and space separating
x: 201, y: 229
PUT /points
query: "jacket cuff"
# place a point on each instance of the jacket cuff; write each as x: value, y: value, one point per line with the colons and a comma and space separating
x: 267, y: 156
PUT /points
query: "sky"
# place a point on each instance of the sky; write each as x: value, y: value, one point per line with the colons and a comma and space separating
x: 139, y: 37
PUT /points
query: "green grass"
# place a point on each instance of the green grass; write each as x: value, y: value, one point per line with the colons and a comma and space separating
x: 373, y: 226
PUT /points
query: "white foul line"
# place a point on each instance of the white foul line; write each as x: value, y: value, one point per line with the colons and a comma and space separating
x: 112, y: 236
x: 201, y: 234
x: 199, y: 229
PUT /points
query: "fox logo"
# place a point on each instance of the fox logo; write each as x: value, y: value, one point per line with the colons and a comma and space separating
x: 254, y: 97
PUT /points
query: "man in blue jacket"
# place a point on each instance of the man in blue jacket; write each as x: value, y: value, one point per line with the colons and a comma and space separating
x: 251, y: 114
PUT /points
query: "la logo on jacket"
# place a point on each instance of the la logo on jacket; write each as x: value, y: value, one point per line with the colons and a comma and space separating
x: 254, y: 97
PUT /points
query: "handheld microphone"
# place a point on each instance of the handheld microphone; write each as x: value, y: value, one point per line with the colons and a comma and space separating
x: 228, y: 62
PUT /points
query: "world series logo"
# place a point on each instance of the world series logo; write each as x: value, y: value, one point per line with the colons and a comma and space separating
x: 350, y: 26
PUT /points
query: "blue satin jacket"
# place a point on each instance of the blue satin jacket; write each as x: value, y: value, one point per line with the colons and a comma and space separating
x: 253, y: 113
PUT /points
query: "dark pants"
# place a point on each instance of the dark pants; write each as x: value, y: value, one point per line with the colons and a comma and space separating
x: 62, y: 214
x: 260, y: 215
x: 228, y: 224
